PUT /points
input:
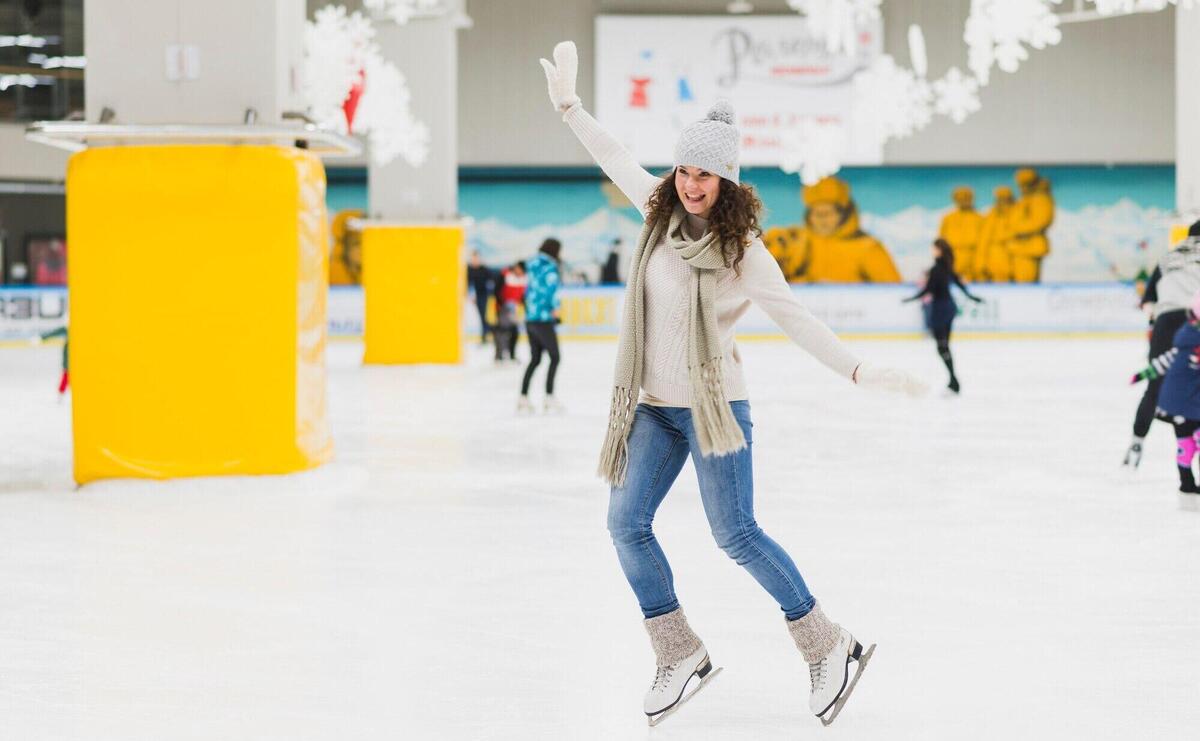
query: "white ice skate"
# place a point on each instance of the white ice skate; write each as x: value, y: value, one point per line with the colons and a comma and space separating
x: 553, y: 406
x: 675, y: 684
x: 831, y: 680
x: 1189, y: 501
x: 524, y: 406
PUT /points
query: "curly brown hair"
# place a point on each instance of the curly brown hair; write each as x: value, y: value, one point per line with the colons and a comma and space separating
x: 734, y: 217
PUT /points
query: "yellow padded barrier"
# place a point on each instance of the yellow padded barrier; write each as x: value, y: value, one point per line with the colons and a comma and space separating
x: 413, y: 284
x: 197, y: 285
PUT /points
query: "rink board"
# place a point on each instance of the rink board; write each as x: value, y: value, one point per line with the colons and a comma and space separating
x: 595, y: 311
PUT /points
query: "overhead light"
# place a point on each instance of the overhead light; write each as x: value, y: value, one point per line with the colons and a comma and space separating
x: 740, y: 7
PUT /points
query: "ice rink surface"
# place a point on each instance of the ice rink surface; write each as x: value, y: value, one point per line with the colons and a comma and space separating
x: 449, y: 576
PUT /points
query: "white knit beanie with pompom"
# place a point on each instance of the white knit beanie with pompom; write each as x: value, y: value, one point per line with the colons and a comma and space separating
x: 711, y: 143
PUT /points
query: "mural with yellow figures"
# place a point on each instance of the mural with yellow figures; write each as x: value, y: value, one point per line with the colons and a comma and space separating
x: 1014, y: 224
x: 830, y: 247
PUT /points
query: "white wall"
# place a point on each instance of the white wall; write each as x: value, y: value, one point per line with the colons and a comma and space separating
x: 1106, y: 94
x: 1187, y: 114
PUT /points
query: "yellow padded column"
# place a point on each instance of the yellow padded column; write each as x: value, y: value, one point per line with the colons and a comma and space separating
x: 413, y: 284
x: 197, y: 285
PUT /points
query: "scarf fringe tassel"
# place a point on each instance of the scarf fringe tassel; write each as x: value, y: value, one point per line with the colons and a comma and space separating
x: 614, y: 456
x: 717, y: 430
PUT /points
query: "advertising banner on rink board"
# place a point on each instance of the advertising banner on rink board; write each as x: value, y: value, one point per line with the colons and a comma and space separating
x: 656, y: 74
x: 595, y: 311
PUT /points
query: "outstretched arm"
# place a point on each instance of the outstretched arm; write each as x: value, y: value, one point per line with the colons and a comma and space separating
x: 764, y: 284
x: 1158, y: 367
x: 634, y: 181
x: 963, y: 288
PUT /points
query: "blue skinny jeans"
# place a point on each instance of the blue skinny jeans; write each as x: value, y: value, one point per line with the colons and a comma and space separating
x: 660, y: 442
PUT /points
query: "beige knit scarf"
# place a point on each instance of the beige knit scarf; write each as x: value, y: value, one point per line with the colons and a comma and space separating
x: 716, y: 428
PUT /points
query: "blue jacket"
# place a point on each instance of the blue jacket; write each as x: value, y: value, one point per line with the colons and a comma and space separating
x: 1180, y: 394
x: 541, y: 293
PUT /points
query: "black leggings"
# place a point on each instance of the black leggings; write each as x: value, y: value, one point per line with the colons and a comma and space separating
x: 542, y: 336
x: 941, y: 335
x: 1161, y: 339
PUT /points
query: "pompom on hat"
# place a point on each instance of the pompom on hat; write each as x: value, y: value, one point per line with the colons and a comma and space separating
x: 711, y: 143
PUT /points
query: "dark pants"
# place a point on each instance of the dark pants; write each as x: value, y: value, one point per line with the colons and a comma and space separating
x: 481, y: 302
x: 940, y: 319
x: 1162, y: 337
x: 542, y: 336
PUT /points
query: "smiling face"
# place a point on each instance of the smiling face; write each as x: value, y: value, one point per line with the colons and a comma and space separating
x: 697, y: 189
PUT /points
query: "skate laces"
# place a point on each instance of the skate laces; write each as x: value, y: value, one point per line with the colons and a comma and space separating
x: 816, y: 674
x: 662, y: 676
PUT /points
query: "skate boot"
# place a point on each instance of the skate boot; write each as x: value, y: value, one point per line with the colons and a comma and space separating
x: 683, y: 665
x: 828, y: 648
x: 1133, y: 456
x: 524, y: 406
x: 553, y: 406
x: 1189, y: 501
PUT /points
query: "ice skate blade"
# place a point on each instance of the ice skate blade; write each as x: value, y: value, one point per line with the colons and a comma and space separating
x: 832, y: 714
x: 654, y: 720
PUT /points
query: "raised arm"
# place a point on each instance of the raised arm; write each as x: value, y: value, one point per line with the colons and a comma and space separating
x: 635, y: 182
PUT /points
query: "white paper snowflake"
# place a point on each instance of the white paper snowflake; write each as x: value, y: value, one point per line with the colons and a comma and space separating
x: 837, y: 21
x: 1124, y: 7
x: 402, y: 11
x: 335, y: 53
x: 956, y: 95
x: 815, y: 149
x: 890, y: 101
x: 339, y: 53
x: 385, y: 116
x: 997, y: 32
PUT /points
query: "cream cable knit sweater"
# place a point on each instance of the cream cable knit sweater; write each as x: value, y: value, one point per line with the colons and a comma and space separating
x: 665, y: 371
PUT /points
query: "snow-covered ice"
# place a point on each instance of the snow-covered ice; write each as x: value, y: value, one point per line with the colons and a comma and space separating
x: 449, y: 576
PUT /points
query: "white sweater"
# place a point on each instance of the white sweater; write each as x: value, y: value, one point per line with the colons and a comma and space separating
x: 665, y: 366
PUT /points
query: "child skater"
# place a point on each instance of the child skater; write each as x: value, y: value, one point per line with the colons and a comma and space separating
x: 1179, y: 399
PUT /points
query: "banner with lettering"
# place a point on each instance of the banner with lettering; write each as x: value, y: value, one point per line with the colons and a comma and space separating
x: 656, y: 74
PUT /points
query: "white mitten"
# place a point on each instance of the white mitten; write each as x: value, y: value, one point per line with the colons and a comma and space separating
x: 560, y: 76
x: 890, y: 379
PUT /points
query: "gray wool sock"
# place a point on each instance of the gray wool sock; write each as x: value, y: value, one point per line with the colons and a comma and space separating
x: 815, y: 635
x: 671, y: 637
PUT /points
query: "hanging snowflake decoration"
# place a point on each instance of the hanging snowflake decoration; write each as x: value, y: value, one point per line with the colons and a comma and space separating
x: 351, y: 88
x: 335, y: 50
x: 815, y: 149
x: 997, y: 32
x: 1125, y: 7
x: 837, y: 21
x: 890, y: 101
x: 956, y: 95
x: 402, y: 11
x: 385, y: 116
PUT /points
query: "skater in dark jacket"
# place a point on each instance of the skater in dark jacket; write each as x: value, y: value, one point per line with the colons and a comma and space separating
x: 1178, y: 370
x: 481, y: 281
x: 941, y: 309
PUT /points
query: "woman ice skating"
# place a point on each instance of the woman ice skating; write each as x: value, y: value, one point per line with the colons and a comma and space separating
x: 940, y: 313
x: 541, y: 316
x: 679, y: 391
x: 1178, y: 372
x: 1168, y: 293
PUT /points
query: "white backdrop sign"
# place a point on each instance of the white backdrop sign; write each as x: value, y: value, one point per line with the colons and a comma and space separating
x: 656, y: 74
